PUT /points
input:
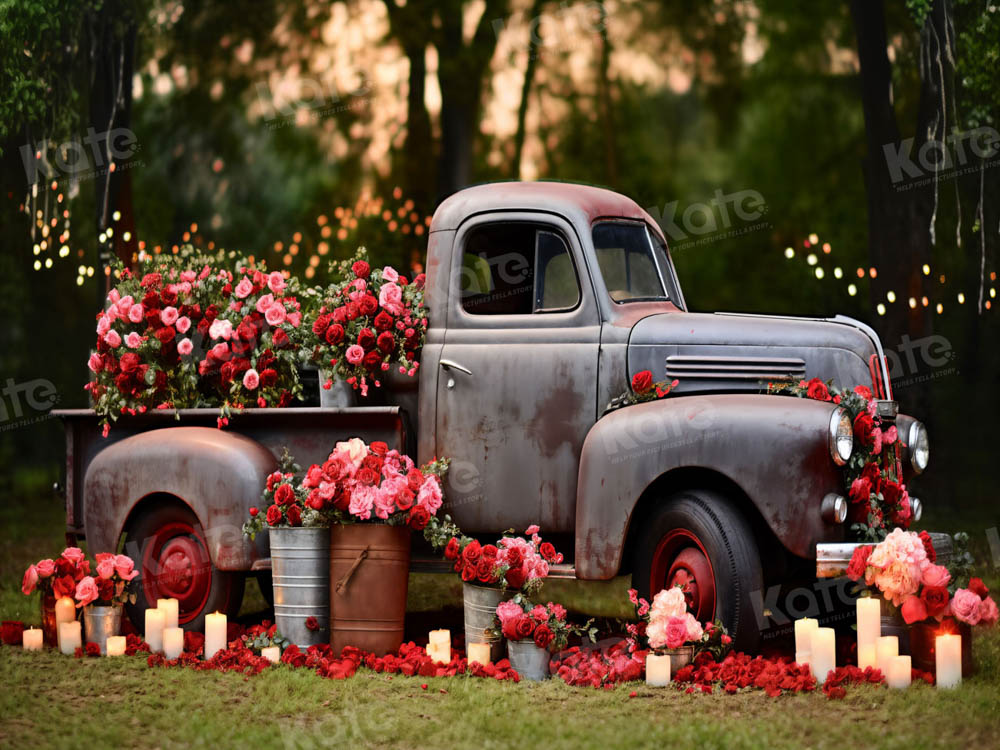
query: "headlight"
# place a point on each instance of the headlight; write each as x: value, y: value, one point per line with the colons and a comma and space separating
x: 841, y: 437
x: 919, y: 446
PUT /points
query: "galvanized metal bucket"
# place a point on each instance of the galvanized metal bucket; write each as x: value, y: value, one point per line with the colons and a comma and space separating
x: 99, y: 623
x: 300, y: 575
x: 339, y: 395
x: 480, y: 609
x: 530, y: 661
x: 680, y: 657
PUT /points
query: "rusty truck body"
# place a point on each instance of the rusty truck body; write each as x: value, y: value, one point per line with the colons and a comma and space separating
x: 544, y: 299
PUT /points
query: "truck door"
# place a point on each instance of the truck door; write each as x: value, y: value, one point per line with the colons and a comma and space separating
x: 517, y: 381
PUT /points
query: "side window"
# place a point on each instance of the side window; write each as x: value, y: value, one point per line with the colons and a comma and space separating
x: 517, y: 269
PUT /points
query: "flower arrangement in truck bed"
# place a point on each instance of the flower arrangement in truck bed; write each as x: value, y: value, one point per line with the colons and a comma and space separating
x: 185, y: 332
x: 903, y: 569
x: 371, y: 321
x: 515, y: 562
x: 544, y: 624
x: 665, y: 625
x: 70, y: 575
x: 357, y: 483
x: 878, y: 498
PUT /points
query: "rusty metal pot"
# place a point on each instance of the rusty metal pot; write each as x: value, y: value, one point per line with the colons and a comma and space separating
x: 369, y: 572
x: 300, y: 576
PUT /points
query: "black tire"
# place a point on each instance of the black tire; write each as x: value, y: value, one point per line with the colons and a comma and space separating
x: 173, y: 526
x: 266, y: 584
x: 729, y: 545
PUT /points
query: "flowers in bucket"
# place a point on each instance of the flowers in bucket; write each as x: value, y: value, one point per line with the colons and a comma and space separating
x: 666, y: 625
x: 110, y: 587
x: 370, y: 321
x: 58, y: 577
x: 544, y: 624
x: 903, y: 569
x: 264, y: 635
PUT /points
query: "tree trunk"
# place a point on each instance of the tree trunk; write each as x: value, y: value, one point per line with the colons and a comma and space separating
x: 534, y: 50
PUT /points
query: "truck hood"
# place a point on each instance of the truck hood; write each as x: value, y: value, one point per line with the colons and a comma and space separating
x: 723, y: 352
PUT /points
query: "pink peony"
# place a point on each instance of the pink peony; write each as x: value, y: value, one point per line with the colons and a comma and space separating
x: 30, y: 580
x: 45, y: 568
x: 86, y: 591
x: 390, y: 297
x: 935, y: 575
x: 184, y: 347
x: 669, y: 603
x: 430, y: 494
x: 183, y: 323
x: 896, y: 565
x: 112, y: 339
x: 275, y: 314
x: 385, y: 497
x: 694, y: 629
x: 251, y: 379
x: 362, y: 501
x: 507, y: 611
x: 133, y: 340
x: 965, y: 606
x: 244, y: 288
x: 74, y: 555
x: 914, y: 609
x: 354, y: 354
x: 351, y: 451
x: 988, y: 613
x: 168, y: 315
x: 276, y: 282
x: 124, y: 567
x: 135, y: 313
x: 95, y: 363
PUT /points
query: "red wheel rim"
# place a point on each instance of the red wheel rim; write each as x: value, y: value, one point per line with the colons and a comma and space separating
x: 680, y: 559
x: 176, y: 565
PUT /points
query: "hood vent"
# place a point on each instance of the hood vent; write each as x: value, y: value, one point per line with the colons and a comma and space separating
x: 735, y: 368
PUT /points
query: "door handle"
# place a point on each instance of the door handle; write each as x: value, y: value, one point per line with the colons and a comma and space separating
x: 447, y: 365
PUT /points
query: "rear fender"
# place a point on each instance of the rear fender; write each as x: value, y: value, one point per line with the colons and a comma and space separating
x: 218, y: 474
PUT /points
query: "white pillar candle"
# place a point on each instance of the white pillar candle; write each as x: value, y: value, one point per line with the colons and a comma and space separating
x: 69, y: 637
x: 886, y: 648
x: 116, y: 645
x: 948, y: 660
x: 900, y: 672
x: 31, y: 640
x: 272, y: 654
x: 479, y: 652
x: 868, y: 656
x: 439, y: 652
x: 823, y: 653
x: 803, y: 657
x: 869, y: 614
x: 441, y: 637
x: 657, y: 670
x: 153, y: 635
x: 173, y: 642
x: 170, y: 608
x: 65, y: 612
x: 215, y: 633
x: 803, y: 634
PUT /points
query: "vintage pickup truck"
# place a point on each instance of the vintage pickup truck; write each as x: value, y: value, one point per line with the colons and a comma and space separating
x: 545, y: 299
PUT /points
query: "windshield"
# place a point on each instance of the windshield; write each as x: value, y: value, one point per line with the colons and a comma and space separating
x: 630, y: 263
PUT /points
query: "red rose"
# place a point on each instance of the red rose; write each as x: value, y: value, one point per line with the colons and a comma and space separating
x: 977, y: 587
x: 268, y: 378
x: 334, y: 334
x: 935, y: 599
x: 913, y: 609
x: 419, y: 517
x: 928, y: 546
x: 280, y: 339
x: 859, y: 562
x: 864, y: 392
x: 315, y: 501
x: 468, y: 573
x: 361, y: 269
x: 383, y: 321
x: 524, y: 627
x: 451, y: 550
x: 321, y: 324
x: 515, y: 577
x: 366, y: 476
x: 642, y: 381
x: 10, y: 632
x: 284, y: 495
x: 484, y: 570
x: 817, y: 390
x: 490, y: 551
x: 514, y: 557
x: 472, y: 552
x: 64, y: 586
x: 864, y: 429
x: 312, y: 623
x: 129, y: 361
x: 294, y: 515
x: 385, y: 342
x: 547, y: 551
x: 373, y: 462
x: 543, y: 636
x: 415, y: 479
x: 404, y: 499
x: 340, y: 315
x: 254, y: 512
x: 274, y: 515
x: 367, y: 305
x: 371, y: 360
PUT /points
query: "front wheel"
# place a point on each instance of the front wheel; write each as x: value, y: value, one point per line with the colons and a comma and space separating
x: 699, y: 541
x: 169, y: 548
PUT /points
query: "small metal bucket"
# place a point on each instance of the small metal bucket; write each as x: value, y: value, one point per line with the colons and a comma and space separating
x: 530, y: 661
x: 679, y: 657
x: 99, y: 623
x: 300, y: 576
x: 480, y: 609
x: 339, y: 395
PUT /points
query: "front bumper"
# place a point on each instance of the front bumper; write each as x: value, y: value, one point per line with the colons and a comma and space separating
x: 833, y: 558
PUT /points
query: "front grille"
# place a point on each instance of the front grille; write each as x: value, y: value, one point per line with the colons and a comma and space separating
x: 735, y: 368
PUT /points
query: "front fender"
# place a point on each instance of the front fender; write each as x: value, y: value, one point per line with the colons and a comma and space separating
x: 218, y: 474
x: 775, y: 448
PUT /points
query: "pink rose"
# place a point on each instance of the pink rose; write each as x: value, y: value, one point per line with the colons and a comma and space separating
x: 275, y: 314
x: 251, y: 379
x: 694, y: 629
x: 183, y: 323
x: 220, y: 352
x: 125, y: 304
x: 965, y: 606
x: 508, y: 611
x: 389, y: 274
x: 430, y: 494
x: 45, y: 568
x: 988, y: 613
x: 362, y: 501
x: 264, y: 302
x: 106, y: 567
x: 133, y: 340
x: 354, y: 354
x: 935, y: 575
x: 276, y: 282
x: 135, y: 313
x: 30, y: 580
x: 220, y: 329
x: 112, y: 339
x: 677, y: 632
x: 86, y: 591
x: 244, y: 288
x: 73, y: 554
x: 184, y: 347
x: 124, y: 567
x: 295, y: 318
x: 531, y: 530
x: 390, y: 297
x: 914, y: 609
x: 103, y: 325
x: 168, y: 315
x: 94, y: 363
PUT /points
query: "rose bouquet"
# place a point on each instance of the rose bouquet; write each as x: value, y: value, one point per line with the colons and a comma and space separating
x: 58, y: 577
x: 903, y: 569
x: 545, y: 624
x: 369, y: 322
x: 110, y: 586
x: 643, y: 389
x: 667, y: 625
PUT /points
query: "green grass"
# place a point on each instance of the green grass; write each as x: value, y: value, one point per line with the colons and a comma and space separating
x: 53, y: 701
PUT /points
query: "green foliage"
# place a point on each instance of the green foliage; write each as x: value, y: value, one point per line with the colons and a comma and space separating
x: 919, y: 9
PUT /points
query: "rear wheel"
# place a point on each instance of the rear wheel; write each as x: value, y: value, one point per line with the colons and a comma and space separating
x: 699, y: 541
x: 173, y: 560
